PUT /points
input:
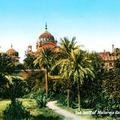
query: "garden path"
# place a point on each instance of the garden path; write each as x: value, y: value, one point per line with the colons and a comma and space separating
x: 68, y: 115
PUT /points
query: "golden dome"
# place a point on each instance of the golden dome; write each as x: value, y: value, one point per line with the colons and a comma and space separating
x: 12, y: 52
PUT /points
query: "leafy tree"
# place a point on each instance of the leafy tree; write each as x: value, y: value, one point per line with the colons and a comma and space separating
x: 35, y: 80
x: 6, y: 64
x: 75, y: 63
x: 66, y: 47
x: 8, y: 70
x: 110, y: 94
x: 29, y: 61
x: 16, y: 111
x: 80, y: 66
x: 17, y: 88
x: 117, y: 66
x: 7, y: 67
x: 45, y: 61
x: 91, y: 88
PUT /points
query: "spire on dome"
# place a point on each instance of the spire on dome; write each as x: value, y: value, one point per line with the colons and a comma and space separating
x: 46, y: 26
x: 11, y: 46
x: 46, y: 36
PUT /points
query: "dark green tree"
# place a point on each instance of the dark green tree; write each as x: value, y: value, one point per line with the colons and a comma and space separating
x: 7, y: 67
x: 28, y: 61
x: 91, y: 88
x: 45, y: 61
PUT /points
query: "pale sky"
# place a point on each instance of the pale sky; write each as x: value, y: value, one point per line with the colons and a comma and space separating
x: 94, y: 23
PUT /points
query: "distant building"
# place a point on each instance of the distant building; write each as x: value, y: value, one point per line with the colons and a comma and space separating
x: 13, y: 54
x: 109, y: 58
x: 45, y: 40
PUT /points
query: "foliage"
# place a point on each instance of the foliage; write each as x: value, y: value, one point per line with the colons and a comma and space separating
x: 117, y: 65
x: 17, y: 88
x: 66, y: 47
x: 75, y: 66
x: 28, y: 61
x: 41, y: 100
x: 6, y: 64
x: 19, y: 67
x: 45, y: 61
x: 110, y: 95
x: 80, y: 68
x: 16, y: 111
x: 7, y: 68
x: 91, y: 88
x: 35, y: 112
x: 35, y: 80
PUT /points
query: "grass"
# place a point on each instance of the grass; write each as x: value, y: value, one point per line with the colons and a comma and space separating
x: 47, y: 114
x: 3, y: 105
x: 36, y: 113
x: 85, y: 116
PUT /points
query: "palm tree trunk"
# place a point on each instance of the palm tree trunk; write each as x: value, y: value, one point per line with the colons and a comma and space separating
x: 46, y: 82
x: 68, y: 97
x: 79, y: 101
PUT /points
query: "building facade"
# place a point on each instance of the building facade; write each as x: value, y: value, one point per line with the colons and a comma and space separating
x: 109, y: 58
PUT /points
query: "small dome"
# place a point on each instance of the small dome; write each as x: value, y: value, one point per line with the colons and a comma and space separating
x: 12, y: 52
x: 46, y: 36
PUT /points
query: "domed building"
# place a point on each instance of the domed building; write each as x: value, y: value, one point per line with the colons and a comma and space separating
x: 45, y: 40
x: 46, y: 36
x: 13, y: 54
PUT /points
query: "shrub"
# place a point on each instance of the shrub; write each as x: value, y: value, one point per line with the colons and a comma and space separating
x: 41, y: 100
x: 16, y: 111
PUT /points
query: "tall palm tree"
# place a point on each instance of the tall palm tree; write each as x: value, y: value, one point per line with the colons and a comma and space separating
x: 45, y: 61
x: 80, y: 67
x: 66, y: 46
x: 74, y: 62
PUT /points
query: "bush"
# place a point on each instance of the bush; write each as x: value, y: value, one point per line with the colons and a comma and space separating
x: 107, y: 107
x: 16, y: 111
x: 41, y: 100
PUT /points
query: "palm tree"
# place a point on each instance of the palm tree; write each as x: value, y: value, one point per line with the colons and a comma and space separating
x: 74, y: 63
x: 66, y: 46
x: 45, y: 61
x: 80, y: 67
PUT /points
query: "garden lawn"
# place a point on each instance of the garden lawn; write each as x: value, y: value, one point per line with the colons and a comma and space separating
x: 35, y: 112
x: 3, y: 105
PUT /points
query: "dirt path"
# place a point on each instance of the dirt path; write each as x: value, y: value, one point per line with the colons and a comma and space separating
x: 68, y: 115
